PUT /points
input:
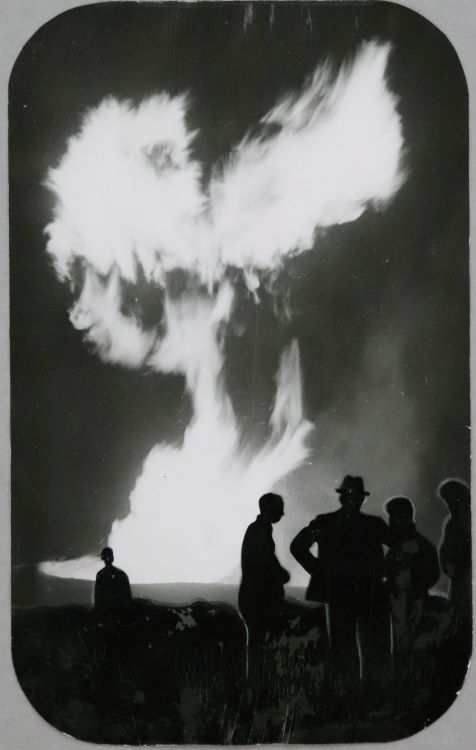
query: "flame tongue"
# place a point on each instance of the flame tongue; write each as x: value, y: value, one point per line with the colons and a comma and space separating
x: 118, y: 338
x: 287, y: 412
x: 338, y: 150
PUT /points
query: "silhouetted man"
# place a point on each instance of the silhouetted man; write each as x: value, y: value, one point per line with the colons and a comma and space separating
x: 112, y: 590
x: 455, y: 560
x: 112, y: 596
x: 411, y: 569
x: 261, y: 593
x: 455, y: 548
x: 348, y: 575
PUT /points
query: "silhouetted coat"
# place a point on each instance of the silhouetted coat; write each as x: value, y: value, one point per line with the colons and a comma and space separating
x: 112, y: 588
x: 455, y: 558
x: 411, y: 564
x: 261, y: 591
x: 348, y: 574
x: 411, y: 569
x: 350, y: 554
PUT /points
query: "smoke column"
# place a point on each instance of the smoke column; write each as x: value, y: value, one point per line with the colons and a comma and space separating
x: 129, y: 200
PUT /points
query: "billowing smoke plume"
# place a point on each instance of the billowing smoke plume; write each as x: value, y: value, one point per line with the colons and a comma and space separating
x: 129, y: 200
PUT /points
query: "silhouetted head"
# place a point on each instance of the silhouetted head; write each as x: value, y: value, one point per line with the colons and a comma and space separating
x: 107, y: 555
x: 271, y: 507
x: 456, y: 494
x: 401, y: 514
x: 352, y: 494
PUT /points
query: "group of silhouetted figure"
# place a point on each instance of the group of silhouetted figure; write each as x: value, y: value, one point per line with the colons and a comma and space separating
x: 373, y: 578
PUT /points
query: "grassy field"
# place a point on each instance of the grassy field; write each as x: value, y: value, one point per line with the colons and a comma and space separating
x: 181, y: 673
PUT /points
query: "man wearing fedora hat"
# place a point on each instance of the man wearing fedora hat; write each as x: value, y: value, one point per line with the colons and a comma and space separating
x: 348, y: 576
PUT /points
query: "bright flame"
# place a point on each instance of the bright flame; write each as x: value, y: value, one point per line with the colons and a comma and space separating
x: 191, y: 504
x: 127, y: 191
x: 129, y: 196
x: 119, y: 338
x: 337, y: 151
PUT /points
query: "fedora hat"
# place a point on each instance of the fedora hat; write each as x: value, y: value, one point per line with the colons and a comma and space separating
x: 352, y: 484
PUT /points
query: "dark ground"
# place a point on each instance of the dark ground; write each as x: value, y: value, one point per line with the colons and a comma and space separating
x: 177, y: 674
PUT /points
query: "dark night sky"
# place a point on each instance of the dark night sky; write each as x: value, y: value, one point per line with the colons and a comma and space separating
x: 381, y: 308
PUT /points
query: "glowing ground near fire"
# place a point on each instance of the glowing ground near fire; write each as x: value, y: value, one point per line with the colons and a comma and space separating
x: 129, y: 198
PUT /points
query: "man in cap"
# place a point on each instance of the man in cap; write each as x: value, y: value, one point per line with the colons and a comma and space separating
x: 112, y: 590
x: 348, y: 576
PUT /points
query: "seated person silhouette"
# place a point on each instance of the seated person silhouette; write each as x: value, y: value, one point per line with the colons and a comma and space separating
x: 112, y: 590
x: 261, y: 593
x: 411, y: 569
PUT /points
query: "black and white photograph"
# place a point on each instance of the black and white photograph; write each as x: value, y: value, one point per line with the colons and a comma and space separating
x: 240, y: 372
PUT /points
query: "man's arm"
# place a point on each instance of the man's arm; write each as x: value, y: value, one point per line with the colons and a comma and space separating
x: 430, y: 568
x: 384, y: 533
x: 258, y: 558
x: 447, y: 549
x: 300, y: 548
x: 125, y: 586
x: 98, y: 589
x: 252, y: 551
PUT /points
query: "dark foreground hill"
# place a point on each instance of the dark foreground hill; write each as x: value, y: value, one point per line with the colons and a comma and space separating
x: 156, y: 674
x: 139, y: 676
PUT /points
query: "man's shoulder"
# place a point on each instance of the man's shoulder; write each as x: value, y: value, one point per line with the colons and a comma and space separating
x: 120, y: 573
x: 324, y: 519
x: 111, y: 572
x: 256, y: 528
x: 253, y: 526
x: 449, y: 525
x: 372, y: 520
x: 373, y: 527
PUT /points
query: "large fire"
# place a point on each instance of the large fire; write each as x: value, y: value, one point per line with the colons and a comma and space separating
x: 129, y: 197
